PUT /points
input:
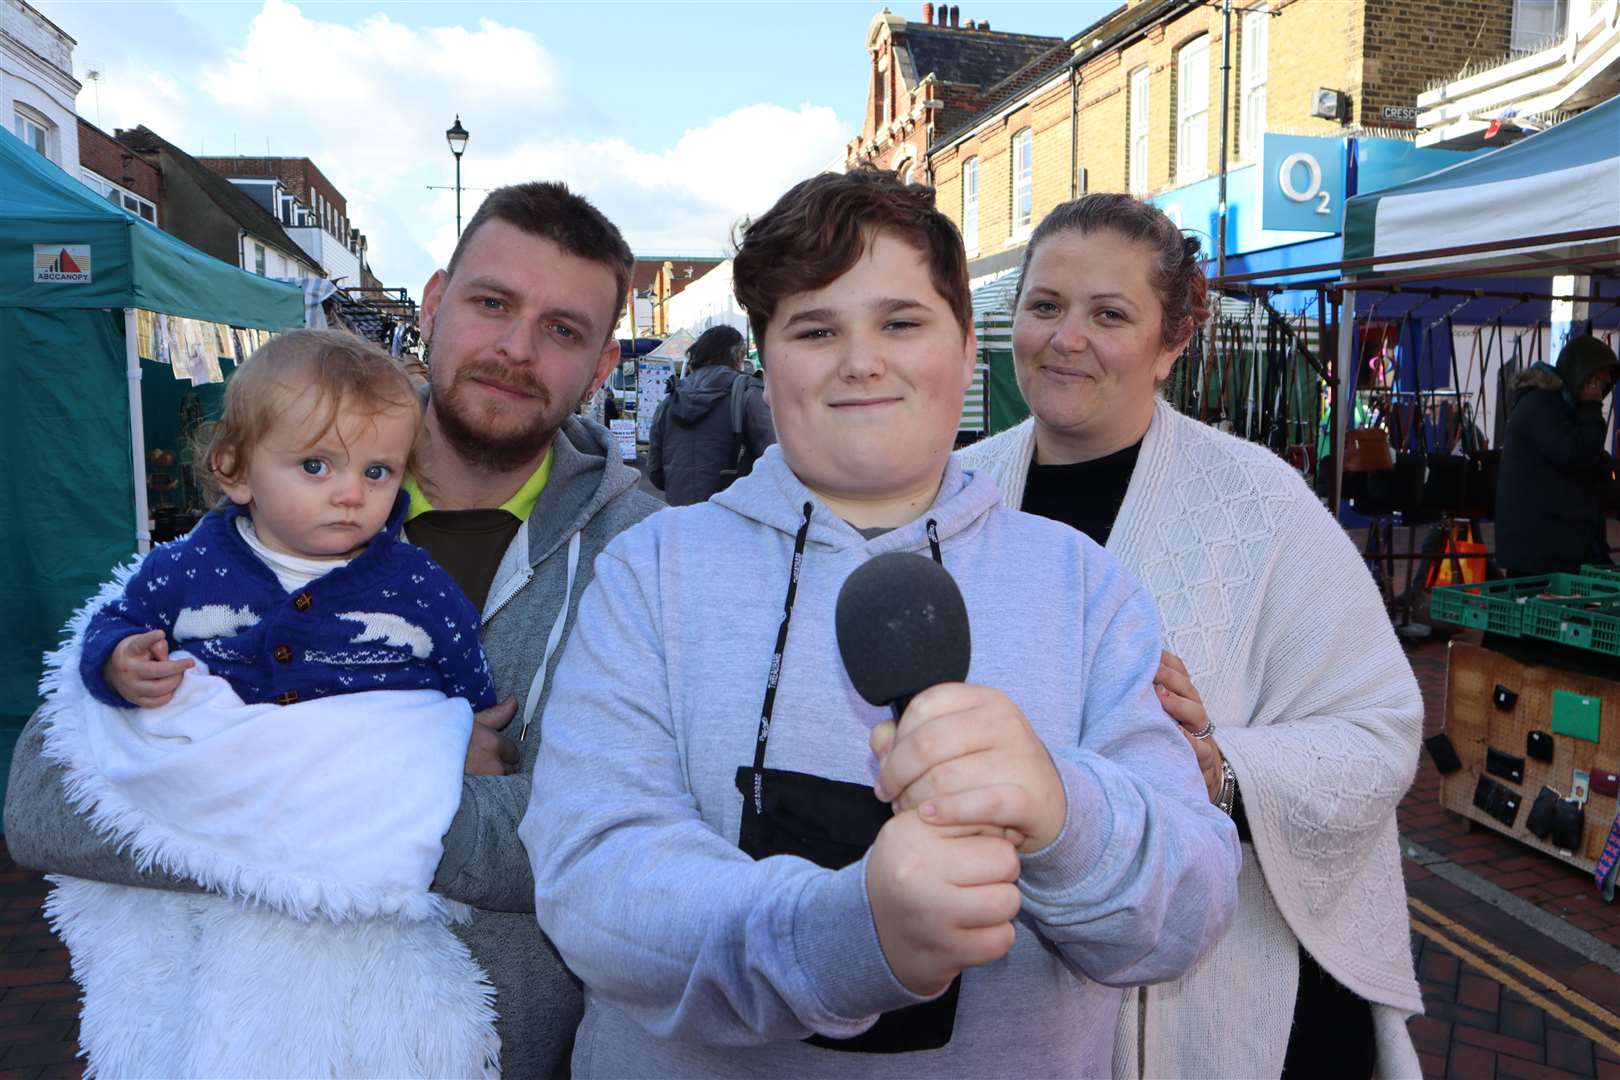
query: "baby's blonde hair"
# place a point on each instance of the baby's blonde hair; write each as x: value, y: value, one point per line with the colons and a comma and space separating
x: 346, y: 372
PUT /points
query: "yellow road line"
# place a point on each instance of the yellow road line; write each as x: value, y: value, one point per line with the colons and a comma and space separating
x: 1497, y: 951
x: 1535, y: 997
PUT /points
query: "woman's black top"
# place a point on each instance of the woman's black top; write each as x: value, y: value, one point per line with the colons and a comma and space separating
x: 1332, y: 1034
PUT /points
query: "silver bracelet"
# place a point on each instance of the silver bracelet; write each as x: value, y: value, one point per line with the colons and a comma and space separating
x: 1227, y: 796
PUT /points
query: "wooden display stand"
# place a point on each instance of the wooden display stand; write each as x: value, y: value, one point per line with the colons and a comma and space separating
x: 1474, y: 723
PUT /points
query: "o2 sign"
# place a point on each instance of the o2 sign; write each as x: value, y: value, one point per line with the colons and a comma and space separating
x: 1303, y: 183
x: 1312, y: 191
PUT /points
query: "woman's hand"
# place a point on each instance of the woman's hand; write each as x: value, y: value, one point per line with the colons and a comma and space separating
x: 1180, y: 699
x: 966, y: 755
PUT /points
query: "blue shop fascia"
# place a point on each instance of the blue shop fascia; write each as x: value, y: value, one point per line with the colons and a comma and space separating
x: 1288, y: 210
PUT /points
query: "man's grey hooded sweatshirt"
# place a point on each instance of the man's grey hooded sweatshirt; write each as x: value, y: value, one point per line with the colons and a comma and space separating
x: 697, y: 960
x: 590, y: 492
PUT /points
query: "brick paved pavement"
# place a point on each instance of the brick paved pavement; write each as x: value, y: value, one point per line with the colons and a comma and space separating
x: 1514, y: 1003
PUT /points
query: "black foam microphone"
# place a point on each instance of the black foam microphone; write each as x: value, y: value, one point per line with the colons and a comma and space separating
x: 902, y: 627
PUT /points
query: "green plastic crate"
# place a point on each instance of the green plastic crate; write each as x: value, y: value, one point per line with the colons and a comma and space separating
x: 1502, y: 607
x: 1592, y: 624
x: 1605, y: 572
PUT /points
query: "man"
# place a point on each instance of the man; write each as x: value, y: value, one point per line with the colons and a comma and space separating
x: 515, y: 497
x: 1556, y: 475
x: 703, y: 437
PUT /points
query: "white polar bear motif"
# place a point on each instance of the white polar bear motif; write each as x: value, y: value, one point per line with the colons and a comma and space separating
x: 390, y: 630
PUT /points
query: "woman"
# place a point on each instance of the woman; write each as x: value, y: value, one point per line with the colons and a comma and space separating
x: 713, y: 426
x: 1305, y: 716
x: 709, y: 853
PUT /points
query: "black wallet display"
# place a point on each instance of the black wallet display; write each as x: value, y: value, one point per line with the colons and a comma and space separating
x: 1444, y: 754
x: 1497, y: 801
x: 1538, y: 746
x: 1503, y: 698
x: 1505, y: 765
x: 1540, y: 819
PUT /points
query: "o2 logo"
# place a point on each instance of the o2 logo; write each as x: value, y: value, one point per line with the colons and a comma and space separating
x: 1286, y: 174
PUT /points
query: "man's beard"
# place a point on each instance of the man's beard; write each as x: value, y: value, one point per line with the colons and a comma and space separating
x: 474, y: 443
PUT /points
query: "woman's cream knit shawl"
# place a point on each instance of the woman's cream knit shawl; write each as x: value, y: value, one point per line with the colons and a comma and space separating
x: 1266, y: 600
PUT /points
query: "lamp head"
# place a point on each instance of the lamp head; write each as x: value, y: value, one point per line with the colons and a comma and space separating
x: 456, y: 136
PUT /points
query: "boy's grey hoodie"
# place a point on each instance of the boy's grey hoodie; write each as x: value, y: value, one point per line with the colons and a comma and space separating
x: 591, y: 492
x: 698, y: 960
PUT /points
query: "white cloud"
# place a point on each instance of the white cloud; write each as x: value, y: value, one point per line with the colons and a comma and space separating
x: 368, y: 102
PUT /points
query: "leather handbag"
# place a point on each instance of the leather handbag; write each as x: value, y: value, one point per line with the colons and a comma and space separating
x: 1497, y: 801
x: 1538, y: 746
x: 1368, y: 450
x: 1568, y: 825
x: 1540, y: 819
x: 1605, y: 782
x: 1505, y: 765
x: 1444, y: 753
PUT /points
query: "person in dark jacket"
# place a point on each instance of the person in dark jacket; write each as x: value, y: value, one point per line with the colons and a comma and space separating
x: 692, y: 451
x: 1556, y: 475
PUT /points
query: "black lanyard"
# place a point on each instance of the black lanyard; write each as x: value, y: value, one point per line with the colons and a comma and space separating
x: 775, y: 677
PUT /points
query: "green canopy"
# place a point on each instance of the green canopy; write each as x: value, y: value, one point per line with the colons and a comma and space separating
x: 1563, y: 180
x: 71, y: 266
x: 130, y: 263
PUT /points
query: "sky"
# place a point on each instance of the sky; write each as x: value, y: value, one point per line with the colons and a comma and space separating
x: 677, y: 118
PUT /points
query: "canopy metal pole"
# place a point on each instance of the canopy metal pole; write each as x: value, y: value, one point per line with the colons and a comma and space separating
x: 137, y: 433
x: 1344, y: 401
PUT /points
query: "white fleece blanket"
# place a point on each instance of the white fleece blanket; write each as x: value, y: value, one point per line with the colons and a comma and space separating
x: 318, y: 951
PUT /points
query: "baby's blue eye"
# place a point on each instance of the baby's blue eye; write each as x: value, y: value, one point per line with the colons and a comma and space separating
x: 376, y: 472
x: 313, y: 466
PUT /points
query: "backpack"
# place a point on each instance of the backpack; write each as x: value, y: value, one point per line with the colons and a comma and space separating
x: 741, y: 465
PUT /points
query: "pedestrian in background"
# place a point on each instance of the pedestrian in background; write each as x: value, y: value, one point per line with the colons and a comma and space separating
x: 713, y: 426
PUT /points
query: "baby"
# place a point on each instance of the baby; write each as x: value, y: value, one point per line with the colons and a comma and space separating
x: 299, y: 586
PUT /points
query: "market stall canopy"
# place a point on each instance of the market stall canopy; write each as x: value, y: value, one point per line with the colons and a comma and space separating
x: 63, y: 246
x: 1564, y: 180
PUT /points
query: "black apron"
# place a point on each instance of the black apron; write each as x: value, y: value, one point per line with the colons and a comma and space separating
x: 833, y: 824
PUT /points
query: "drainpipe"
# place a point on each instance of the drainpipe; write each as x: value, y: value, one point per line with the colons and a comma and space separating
x: 1074, y: 127
x: 1226, y: 105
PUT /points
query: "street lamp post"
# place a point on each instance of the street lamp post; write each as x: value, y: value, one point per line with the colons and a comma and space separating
x: 456, y: 136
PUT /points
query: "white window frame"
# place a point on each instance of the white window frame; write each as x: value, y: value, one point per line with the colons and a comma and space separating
x: 970, y: 203
x: 1538, y: 24
x: 119, y: 195
x: 1192, y: 110
x: 1137, y: 129
x: 258, y: 259
x: 1023, y: 185
x: 905, y: 169
x: 25, y: 123
x: 1252, y: 110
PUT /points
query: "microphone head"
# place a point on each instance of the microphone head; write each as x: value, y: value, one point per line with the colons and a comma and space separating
x: 902, y: 627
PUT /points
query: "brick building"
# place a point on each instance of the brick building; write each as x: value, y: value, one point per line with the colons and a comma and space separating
x: 300, y: 181
x: 1136, y: 105
x: 211, y: 214
x: 930, y: 77
x: 654, y: 282
x: 118, y: 174
x: 1543, y: 61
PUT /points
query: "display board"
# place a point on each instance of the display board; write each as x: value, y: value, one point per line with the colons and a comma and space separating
x: 652, y: 386
x: 1495, y: 703
x: 624, y: 432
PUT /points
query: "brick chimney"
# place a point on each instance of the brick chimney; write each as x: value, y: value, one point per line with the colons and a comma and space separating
x: 928, y: 13
x: 956, y: 17
x: 941, y: 15
x: 984, y: 24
